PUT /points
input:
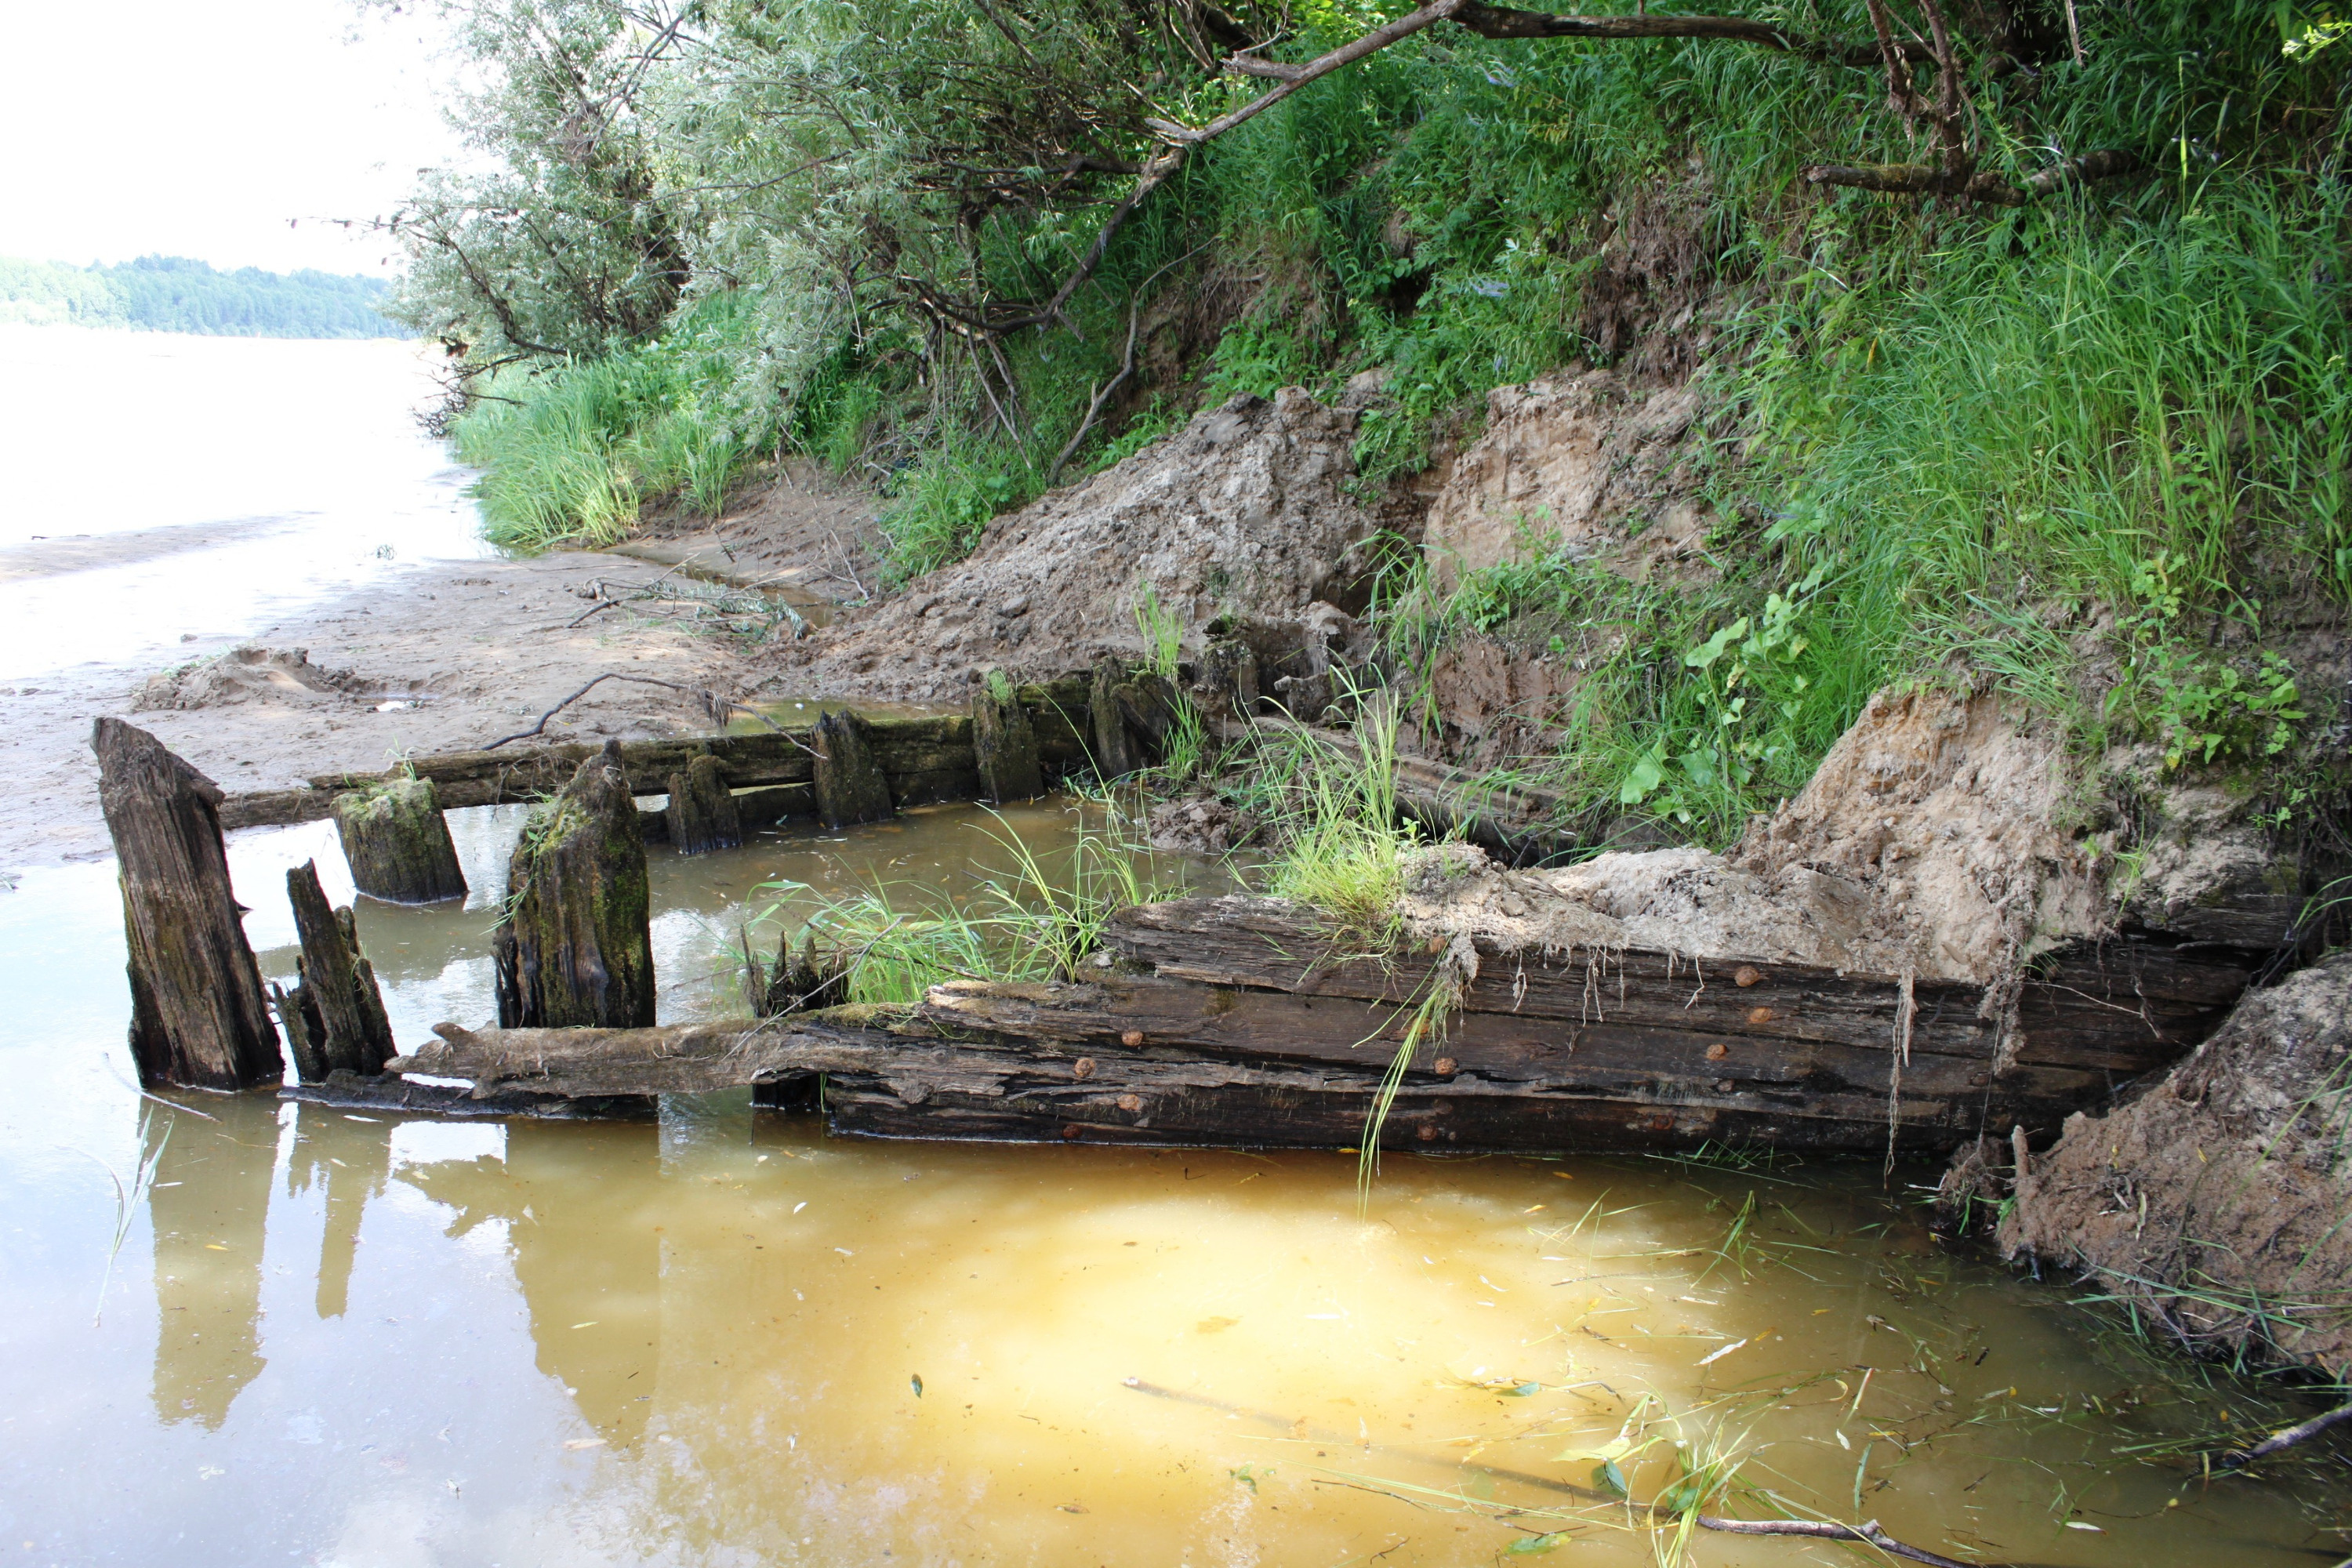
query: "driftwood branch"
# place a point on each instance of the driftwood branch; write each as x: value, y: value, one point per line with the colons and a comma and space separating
x: 2288, y: 1437
x: 1867, y: 1533
x: 709, y: 700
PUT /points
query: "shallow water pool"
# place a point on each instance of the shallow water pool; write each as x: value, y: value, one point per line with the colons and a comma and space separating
x: 721, y: 1338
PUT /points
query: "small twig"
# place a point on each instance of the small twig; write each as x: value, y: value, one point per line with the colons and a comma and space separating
x: 2287, y: 1439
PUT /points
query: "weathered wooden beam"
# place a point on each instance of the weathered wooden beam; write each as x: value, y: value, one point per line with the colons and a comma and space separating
x: 1113, y: 749
x: 573, y: 946
x: 398, y: 843
x: 199, y: 1015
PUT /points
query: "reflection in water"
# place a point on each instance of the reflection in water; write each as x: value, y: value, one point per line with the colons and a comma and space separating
x: 210, y: 1207
x: 349, y: 1184
x: 581, y: 1205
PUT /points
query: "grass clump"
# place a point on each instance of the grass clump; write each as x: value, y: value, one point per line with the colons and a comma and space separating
x: 1331, y: 807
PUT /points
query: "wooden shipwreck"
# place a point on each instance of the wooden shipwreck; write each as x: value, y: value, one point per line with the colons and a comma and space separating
x: 1235, y: 1022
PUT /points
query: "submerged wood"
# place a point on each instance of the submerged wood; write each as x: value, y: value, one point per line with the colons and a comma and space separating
x: 702, y: 815
x: 1233, y: 1022
x: 334, y: 1016
x: 1004, y: 746
x: 390, y: 1092
x: 398, y: 843
x: 199, y: 1016
x: 575, y: 947
x: 850, y: 787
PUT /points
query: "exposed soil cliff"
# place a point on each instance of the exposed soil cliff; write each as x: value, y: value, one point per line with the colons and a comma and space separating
x: 2217, y: 1200
x: 1242, y: 512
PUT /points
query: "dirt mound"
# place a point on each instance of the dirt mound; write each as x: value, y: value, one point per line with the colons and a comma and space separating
x: 1241, y: 513
x: 249, y: 675
x: 1946, y: 812
x: 1584, y: 457
x: 2216, y: 1200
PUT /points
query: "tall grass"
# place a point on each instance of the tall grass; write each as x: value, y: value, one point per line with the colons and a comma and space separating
x: 1330, y: 810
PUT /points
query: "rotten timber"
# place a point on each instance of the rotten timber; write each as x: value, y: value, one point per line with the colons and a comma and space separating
x: 1232, y: 1022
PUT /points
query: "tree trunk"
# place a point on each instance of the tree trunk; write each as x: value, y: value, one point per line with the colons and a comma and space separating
x: 575, y: 946
x: 850, y: 787
x: 198, y: 1012
x: 335, y: 1014
x: 398, y: 843
x: 1005, y: 746
x: 702, y: 815
x: 1115, y: 751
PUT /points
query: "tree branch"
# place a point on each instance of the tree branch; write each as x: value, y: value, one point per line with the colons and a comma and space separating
x: 1505, y: 22
x: 1867, y: 1533
x: 2288, y: 1437
x: 1346, y: 55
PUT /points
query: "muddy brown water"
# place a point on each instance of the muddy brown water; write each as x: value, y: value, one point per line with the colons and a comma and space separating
x: 721, y: 1338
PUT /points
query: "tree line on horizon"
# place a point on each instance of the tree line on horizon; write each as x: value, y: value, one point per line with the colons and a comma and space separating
x: 176, y: 294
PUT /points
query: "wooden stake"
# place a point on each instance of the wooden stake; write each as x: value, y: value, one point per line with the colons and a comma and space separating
x: 1114, y: 751
x: 398, y: 843
x: 1005, y: 743
x: 335, y: 1014
x: 850, y: 787
x: 575, y: 946
x: 198, y: 1015
x: 702, y: 813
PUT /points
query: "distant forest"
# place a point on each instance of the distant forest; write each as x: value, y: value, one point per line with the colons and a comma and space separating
x: 174, y: 294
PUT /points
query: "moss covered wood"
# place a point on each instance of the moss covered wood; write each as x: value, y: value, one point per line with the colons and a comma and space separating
x: 398, y: 843
x: 1005, y: 743
x: 334, y: 1016
x: 850, y: 787
x: 199, y: 1015
x: 701, y: 813
x: 575, y: 945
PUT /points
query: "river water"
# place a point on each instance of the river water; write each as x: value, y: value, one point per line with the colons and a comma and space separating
x: 234, y: 1331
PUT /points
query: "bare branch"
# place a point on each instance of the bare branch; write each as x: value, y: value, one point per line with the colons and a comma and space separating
x: 2289, y: 1436
x: 1867, y: 1533
x: 1346, y: 55
x: 1505, y: 22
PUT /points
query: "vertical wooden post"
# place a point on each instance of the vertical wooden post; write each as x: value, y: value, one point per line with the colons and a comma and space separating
x: 575, y: 945
x: 398, y: 843
x: 1113, y: 750
x: 1003, y: 741
x: 702, y: 813
x: 850, y: 787
x: 334, y: 1016
x: 198, y: 1013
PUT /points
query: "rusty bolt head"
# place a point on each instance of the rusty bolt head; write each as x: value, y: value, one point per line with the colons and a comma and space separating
x: 1426, y: 1133
x: 1083, y: 1067
x: 1760, y: 1015
x: 1744, y: 976
x: 1445, y: 1066
x: 1071, y: 1131
x: 1715, y: 1053
x: 1131, y: 1104
x: 1131, y: 1039
x: 1724, y: 1086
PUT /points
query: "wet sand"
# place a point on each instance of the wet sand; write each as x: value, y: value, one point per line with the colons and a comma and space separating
x: 474, y: 650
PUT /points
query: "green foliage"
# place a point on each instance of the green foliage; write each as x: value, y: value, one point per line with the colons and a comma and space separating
x: 174, y: 294
x: 1331, y: 811
x: 570, y: 452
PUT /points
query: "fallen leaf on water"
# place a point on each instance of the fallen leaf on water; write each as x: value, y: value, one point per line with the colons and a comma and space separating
x: 1713, y: 1356
x: 1213, y: 1325
x: 586, y: 1443
x: 1071, y: 1507
x: 1527, y: 1545
x: 917, y: 1381
x: 214, y: 1246
x: 2078, y: 1524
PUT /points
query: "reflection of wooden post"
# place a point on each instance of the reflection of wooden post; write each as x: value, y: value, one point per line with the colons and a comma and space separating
x: 398, y: 843
x: 702, y: 813
x: 850, y: 787
x: 1004, y: 743
x: 198, y: 1015
x: 334, y: 1016
x: 1115, y: 752
x: 575, y: 946
x: 209, y: 1207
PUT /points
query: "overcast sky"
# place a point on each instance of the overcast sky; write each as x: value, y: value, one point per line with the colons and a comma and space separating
x: 192, y: 129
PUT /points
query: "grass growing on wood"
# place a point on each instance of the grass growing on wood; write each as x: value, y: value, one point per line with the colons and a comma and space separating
x: 1332, y: 811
